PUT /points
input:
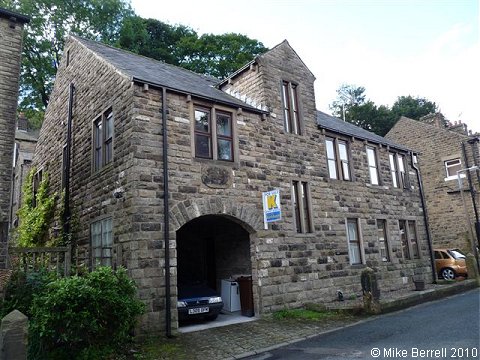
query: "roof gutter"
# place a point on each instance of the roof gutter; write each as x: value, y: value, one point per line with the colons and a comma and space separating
x: 425, y: 219
x: 243, y: 106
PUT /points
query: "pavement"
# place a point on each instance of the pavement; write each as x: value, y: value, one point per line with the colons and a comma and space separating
x: 240, y: 340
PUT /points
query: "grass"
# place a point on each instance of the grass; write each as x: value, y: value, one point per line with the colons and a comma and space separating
x: 309, y: 314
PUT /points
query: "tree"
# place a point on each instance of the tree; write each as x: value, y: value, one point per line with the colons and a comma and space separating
x: 51, y: 21
x: 218, y: 55
x: 347, y: 97
x: 411, y: 107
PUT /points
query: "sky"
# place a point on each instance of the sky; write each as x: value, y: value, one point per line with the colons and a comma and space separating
x: 424, y: 48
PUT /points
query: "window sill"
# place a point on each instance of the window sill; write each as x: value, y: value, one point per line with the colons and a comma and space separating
x: 450, y: 178
x: 104, y: 169
x: 233, y: 164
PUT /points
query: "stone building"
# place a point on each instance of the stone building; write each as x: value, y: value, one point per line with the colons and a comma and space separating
x: 444, y: 149
x: 24, y: 148
x: 349, y: 198
x: 11, y: 35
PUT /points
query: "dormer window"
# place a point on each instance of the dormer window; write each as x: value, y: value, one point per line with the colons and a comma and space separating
x: 290, y: 108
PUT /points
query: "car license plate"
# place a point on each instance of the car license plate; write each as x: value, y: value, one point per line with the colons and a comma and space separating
x: 200, y: 310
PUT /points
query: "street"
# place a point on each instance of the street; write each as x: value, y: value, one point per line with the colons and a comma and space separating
x: 443, y: 329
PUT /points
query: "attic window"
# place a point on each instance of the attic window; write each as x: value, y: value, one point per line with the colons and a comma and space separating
x: 290, y: 108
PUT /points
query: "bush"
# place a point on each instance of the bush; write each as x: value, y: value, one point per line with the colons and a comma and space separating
x: 21, y: 287
x: 84, y: 317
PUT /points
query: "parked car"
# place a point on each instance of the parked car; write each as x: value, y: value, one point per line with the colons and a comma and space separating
x: 198, y: 301
x: 450, y: 263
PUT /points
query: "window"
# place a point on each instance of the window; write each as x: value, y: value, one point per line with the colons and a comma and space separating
x: 372, y: 165
x: 102, y: 242
x: 353, y: 242
x: 397, y: 169
x: 412, y: 238
x: 301, y: 205
x: 337, y: 159
x: 37, y: 180
x: 103, y: 140
x: 382, y: 240
x: 290, y: 108
x: 404, y: 239
x: 451, y: 168
x: 213, y: 141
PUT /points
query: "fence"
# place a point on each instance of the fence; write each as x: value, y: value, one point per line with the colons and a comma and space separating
x: 59, y: 259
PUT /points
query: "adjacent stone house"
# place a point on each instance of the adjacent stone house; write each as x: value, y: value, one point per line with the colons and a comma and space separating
x: 24, y: 148
x: 445, y: 149
x: 349, y: 198
x: 11, y: 35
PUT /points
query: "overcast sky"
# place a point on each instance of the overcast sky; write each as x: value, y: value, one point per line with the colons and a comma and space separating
x: 426, y: 48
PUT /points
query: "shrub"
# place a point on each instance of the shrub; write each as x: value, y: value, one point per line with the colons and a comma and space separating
x: 21, y: 287
x: 84, y: 317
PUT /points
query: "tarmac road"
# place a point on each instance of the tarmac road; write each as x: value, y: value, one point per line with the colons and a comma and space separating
x: 444, y: 329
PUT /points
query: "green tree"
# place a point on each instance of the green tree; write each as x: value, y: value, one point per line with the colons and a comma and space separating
x: 51, y: 21
x: 411, y: 107
x: 348, y: 96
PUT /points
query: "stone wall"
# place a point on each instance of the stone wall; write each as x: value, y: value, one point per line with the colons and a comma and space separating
x: 447, y: 218
x: 288, y: 268
x: 11, y: 31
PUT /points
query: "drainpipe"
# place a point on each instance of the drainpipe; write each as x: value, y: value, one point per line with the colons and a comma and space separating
x: 66, y: 205
x: 166, y: 211
x: 425, y: 219
x: 472, y: 194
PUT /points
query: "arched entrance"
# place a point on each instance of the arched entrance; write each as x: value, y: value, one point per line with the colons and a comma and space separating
x: 211, y: 248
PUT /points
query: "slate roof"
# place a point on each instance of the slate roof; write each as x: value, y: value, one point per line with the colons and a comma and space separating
x: 8, y: 14
x: 339, y: 126
x: 157, y: 73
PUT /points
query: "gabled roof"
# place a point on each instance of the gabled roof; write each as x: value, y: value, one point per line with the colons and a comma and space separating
x: 337, y: 125
x: 157, y: 73
x: 8, y: 14
x: 247, y: 65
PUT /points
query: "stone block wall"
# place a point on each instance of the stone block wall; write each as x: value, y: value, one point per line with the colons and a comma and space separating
x: 11, y: 32
x: 447, y: 217
x: 288, y: 268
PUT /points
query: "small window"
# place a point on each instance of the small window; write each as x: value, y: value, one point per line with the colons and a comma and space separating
x: 103, y: 140
x: 213, y: 132
x: 290, y: 108
x: 372, y: 165
x: 393, y: 169
x: 301, y: 205
x: 101, y: 242
x: 337, y: 159
x: 382, y: 240
x: 37, y: 180
x: 451, y: 168
x: 404, y: 239
x: 354, y: 251
x: 412, y: 238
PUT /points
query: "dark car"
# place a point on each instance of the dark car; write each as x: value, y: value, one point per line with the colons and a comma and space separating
x: 198, y: 301
x: 450, y: 263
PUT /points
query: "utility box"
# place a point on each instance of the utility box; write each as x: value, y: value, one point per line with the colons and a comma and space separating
x: 231, y: 295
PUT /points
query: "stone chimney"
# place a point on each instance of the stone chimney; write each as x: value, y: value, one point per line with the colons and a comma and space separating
x: 435, y: 119
x: 22, y: 122
x: 458, y: 127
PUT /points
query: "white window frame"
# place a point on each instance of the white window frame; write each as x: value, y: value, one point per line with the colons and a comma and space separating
x: 453, y: 176
x: 357, y: 243
x: 341, y: 161
x: 372, y: 166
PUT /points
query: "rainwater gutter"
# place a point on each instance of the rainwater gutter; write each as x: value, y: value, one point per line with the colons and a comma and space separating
x: 68, y: 151
x: 425, y: 218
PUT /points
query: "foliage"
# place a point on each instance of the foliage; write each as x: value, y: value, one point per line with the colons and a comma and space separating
x: 21, y: 287
x: 352, y: 106
x: 84, y: 317
x: 51, y: 21
x: 306, y: 314
x: 36, y: 214
x: 209, y: 54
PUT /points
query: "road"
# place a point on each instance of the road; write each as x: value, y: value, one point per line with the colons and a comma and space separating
x: 443, y: 329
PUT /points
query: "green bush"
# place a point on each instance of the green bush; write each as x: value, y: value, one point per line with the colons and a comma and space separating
x: 21, y: 287
x: 86, y: 317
